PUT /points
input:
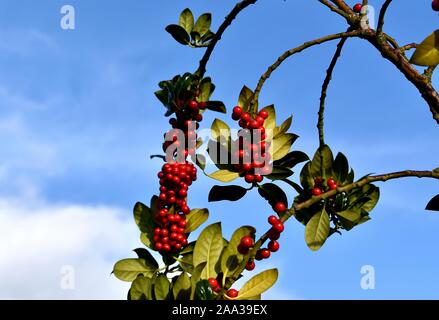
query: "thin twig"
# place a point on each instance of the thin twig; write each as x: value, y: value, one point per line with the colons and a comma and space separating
x: 382, y: 15
x: 293, y: 51
x: 334, y: 8
x: 328, y: 78
x: 227, y: 22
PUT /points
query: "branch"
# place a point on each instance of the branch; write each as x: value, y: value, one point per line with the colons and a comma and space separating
x: 329, y: 72
x: 334, y: 8
x: 313, y: 200
x: 293, y: 51
x: 382, y: 15
x: 227, y: 22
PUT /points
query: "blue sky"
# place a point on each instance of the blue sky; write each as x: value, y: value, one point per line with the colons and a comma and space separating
x: 78, y: 121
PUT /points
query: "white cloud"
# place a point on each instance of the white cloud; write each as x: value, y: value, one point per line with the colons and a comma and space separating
x: 37, y: 240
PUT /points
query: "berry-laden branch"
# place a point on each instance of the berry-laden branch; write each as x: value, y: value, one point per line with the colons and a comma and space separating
x: 227, y: 22
x: 320, y: 124
x: 277, y: 224
x: 295, y: 50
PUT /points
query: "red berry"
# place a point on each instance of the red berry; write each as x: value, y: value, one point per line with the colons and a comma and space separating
x: 198, y: 117
x: 258, y: 178
x: 332, y: 186
x: 316, y: 191
x: 274, y: 235
x: 242, y: 250
x: 245, y: 117
x: 246, y: 166
x: 213, y: 282
x: 273, y: 246
x: 164, y: 232
x: 250, y: 266
x: 280, y: 207
x: 249, y: 178
x: 232, y: 293
x: 166, y: 247
x: 265, y: 253
x: 279, y: 227
x: 254, y: 124
x: 193, y: 104
x: 202, y: 105
x: 158, y: 246
x: 263, y: 114
x: 237, y: 111
x: 357, y: 8
x: 273, y: 220
x: 247, y: 242
x: 216, y: 289
x: 330, y: 181
x: 435, y: 5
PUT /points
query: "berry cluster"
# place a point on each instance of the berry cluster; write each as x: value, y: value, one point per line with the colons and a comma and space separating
x: 175, y: 180
x: 320, y: 188
x: 252, y: 147
x: 435, y: 5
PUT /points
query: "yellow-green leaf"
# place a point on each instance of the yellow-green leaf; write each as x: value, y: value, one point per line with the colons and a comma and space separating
x: 283, y: 128
x: 182, y: 287
x: 281, y: 146
x: 129, y: 269
x: 258, y: 284
x: 317, y: 230
x: 202, y: 26
x: 187, y: 20
x: 224, y: 175
x: 427, y: 53
x: 195, y: 277
x: 146, y: 240
x: 141, y: 289
x: 244, y: 96
x: 220, y: 131
x: 208, y: 249
x: 270, y: 122
x: 195, y: 218
x: 161, y: 287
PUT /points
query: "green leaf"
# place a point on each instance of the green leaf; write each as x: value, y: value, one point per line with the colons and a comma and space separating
x: 129, y: 269
x: 433, y: 205
x: 224, y: 175
x: 178, y: 33
x: 182, y: 287
x: 282, y: 145
x: 195, y: 36
x: 202, y: 26
x: 187, y: 20
x: 258, y: 284
x: 317, y: 230
x: 341, y: 168
x: 292, y: 159
x: 196, y: 218
x: 427, y: 53
x: 220, y: 131
x: 146, y: 240
x: 144, y: 254
x: 350, y: 215
x: 270, y: 122
x: 196, y: 275
x: 231, y: 258
x: 217, y: 106
x: 203, y: 291
x: 279, y: 173
x: 230, y: 193
x: 207, y: 37
x: 208, y: 249
x: 321, y: 165
x: 200, y: 161
x: 273, y: 194
x: 306, y: 179
x: 142, y: 217
x: 161, y: 287
x: 373, y: 193
x: 206, y: 89
x: 187, y: 263
x: 244, y: 98
x: 283, y: 128
x: 141, y: 289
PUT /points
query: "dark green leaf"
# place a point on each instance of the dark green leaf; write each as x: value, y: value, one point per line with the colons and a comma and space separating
x: 231, y: 193
x: 433, y: 205
x: 306, y: 179
x: 178, y: 33
x: 204, y: 291
x: 292, y: 159
x: 321, y: 165
x: 144, y: 254
x: 279, y: 173
x: 217, y: 106
x: 206, y: 89
x: 341, y: 168
x: 295, y: 186
x: 207, y: 37
x: 195, y: 36
x: 273, y: 194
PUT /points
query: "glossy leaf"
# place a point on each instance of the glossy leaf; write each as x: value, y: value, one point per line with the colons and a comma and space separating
x: 129, y: 269
x: 203, y: 291
x: 427, y: 53
x: 224, y: 175
x: 208, y: 249
x: 283, y: 128
x: 317, y: 230
x: 202, y: 26
x: 292, y: 159
x: 206, y: 89
x: 321, y: 165
x: 433, y: 205
x: 244, y: 98
x: 217, y: 106
x: 187, y: 20
x: 230, y: 193
x: 282, y: 145
x: 196, y: 218
x: 341, y: 168
x: 178, y: 33
x: 279, y: 173
x: 182, y: 287
x: 258, y: 284
x: 273, y: 194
